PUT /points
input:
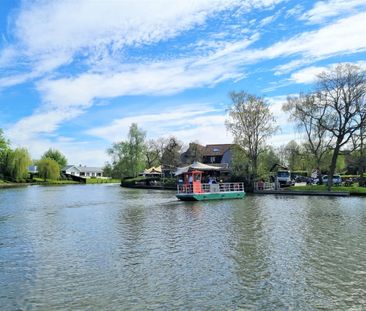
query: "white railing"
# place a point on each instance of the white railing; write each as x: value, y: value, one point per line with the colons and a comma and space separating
x: 260, y: 185
x: 212, y: 188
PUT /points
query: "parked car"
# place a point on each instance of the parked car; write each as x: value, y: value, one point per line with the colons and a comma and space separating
x: 337, y: 180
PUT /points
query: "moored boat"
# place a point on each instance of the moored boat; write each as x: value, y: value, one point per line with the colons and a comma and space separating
x: 192, y: 189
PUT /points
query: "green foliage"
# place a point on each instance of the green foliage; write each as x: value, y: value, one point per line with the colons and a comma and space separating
x: 57, y: 156
x: 16, y: 164
x: 4, y: 148
x: 128, y: 156
x: 251, y: 123
x: 48, y: 168
x: 267, y: 159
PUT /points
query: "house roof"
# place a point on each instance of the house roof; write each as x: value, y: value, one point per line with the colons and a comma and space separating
x: 87, y: 169
x: 69, y: 166
x: 216, y: 150
x: 153, y: 170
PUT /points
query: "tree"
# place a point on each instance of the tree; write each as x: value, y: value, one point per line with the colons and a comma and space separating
x: 154, y: 151
x: 266, y: 160
x: 251, y: 123
x: 57, y: 156
x: 48, y: 168
x: 339, y: 107
x: 306, y: 114
x: 193, y: 153
x: 4, y: 148
x: 16, y: 164
x: 129, y: 156
x: 171, y: 153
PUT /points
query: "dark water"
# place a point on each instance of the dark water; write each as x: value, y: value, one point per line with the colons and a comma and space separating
x: 101, y: 247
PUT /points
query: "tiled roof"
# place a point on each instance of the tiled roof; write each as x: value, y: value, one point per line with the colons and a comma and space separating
x: 216, y: 150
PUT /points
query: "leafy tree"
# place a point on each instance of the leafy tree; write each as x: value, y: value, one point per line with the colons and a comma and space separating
x: 16, y: 164
x: 57, y: 156
x: 128, y: 157
x: 48, y: 168
x: 251, y: 123
x: 267, y: 159
x: 4, y: 148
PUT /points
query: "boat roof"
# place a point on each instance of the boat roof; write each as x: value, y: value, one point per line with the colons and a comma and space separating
x: 196, y: 166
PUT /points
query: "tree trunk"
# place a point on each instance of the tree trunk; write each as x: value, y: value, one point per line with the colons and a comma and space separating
x: 332, y: 167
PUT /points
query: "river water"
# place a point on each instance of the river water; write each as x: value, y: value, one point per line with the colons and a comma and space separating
x: 101, y: 247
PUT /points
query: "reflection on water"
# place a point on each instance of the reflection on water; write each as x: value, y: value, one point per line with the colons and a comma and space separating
x: 101, y: 247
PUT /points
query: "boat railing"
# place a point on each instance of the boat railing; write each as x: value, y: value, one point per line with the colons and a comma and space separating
x: 261, y: 186
x: 212, y: 188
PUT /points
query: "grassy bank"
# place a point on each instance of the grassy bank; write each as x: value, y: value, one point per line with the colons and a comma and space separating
x: 322, y: 188
x: 41, y: 181
x: 102, y: 181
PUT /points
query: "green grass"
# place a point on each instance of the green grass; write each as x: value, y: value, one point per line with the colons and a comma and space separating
x: 41, y: 181
x: 352, y: 189
x: 102, y: 181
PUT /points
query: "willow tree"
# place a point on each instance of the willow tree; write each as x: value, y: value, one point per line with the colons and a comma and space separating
x: 16, y: 164
x: 251, y: 122
x: 4, y: 149
x: 48, y: 168
x: 57, y: 156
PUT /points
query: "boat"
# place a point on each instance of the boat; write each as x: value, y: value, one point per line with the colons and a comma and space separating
x: 192, y: 189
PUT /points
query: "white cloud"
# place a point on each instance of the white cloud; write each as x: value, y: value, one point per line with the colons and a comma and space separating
x: 323, y: 10
x: 184, y: 122
x: 309, y: 75
x: 344, y: 36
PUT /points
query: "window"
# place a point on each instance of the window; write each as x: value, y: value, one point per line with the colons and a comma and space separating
x: 216, y: 149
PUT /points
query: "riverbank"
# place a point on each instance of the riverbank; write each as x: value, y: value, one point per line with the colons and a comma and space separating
x: 352, y: 190
x: 317, y: 190
x: 49, y: 182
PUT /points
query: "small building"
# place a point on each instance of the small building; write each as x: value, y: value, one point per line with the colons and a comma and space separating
x: 83, y: 171
x: 153, y: 172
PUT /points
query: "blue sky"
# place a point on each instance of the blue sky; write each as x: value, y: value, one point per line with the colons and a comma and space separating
x: 75, y: 74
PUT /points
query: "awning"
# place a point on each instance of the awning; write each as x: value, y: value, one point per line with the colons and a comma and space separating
x: 196, y: 166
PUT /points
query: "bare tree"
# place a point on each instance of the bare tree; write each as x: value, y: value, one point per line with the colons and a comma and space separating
x: 171, y: 152
x: 251, y: 123
x: 338, y: 107
x: 341, y: 94
x: 307, y: 116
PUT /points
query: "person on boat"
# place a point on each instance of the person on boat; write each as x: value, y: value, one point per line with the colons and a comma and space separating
x: 190, y: 179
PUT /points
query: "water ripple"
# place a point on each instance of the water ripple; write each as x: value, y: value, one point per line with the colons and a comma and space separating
x: 108, y: 248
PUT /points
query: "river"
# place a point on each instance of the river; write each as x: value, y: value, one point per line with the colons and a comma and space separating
x: 102, y: 247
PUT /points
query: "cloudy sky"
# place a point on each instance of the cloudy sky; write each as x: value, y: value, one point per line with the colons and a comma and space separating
x: 75, y: 74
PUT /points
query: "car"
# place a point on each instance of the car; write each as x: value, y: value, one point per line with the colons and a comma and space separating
x: 337, y: 180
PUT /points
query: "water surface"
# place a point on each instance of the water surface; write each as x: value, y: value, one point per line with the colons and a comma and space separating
x: 101, y: 247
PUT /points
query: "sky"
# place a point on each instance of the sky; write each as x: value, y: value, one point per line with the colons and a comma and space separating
x: 74, y: 74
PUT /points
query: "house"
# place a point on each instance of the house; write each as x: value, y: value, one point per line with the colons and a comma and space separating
x: 83, y: 171
x: 218, y: 155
